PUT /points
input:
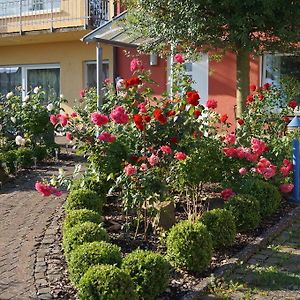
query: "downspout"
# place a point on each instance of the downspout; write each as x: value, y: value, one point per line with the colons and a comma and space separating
x: 99, y: 55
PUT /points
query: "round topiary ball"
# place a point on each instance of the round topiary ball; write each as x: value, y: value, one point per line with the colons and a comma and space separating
x: 106, y: 282
x: 221, y: 226
x: 78, y: 199
x: 83, y: 233
x: 149, y: 271
x: 78, y: 216
x: 90, y: 254
x: 245, y: 210
x: 266, y: 193
x: 189, y: 246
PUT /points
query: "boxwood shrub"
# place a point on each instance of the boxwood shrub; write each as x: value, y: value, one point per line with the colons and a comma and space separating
x: 220, y: 224
x: 189, y: 246
x: 106, y: 282
x: 78, y: 216
x: 149, y: 271
x: 82, y: 233
x: 90, y: 254
x: 78, y: 199
x: 245, y: 210
x: 266, y: 193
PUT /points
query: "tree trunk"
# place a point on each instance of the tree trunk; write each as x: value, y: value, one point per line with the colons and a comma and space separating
x: 242, y: 80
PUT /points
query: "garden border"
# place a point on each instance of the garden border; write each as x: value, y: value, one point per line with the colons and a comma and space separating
x: 245, y: 254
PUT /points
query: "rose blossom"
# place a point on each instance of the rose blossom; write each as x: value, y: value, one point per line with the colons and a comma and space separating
x: 99, y: 119
x: 293, y: 104
x: 226, y: 194
x: 230, y: 139
x: 130, y: 170
x: 20, y: 141
x: 136, y: 64
x: 243, y: 171
x: 193, y: 98
x: 286, y: 187
x: 69, y: 136
x: 178, y: 58
x: 223, y: 118
x: 241, y: 122
x: 47, y: 190
x: 211, y: 103
x: 252, y: 87
x: 53, y: 119
x: 153, y: 160
x: 63, y: 119
x: 166, y: 149
x: 9, y: 95
x: 180, y: 156
x: 258, y: 146
x: 286, y: 167
x: 119, y: 115
x: 74, y: 115
x: 82, y: 93
x: 142, y: 108
x: 144, y: 167
x: 50, y: 107
x: 106, y: 137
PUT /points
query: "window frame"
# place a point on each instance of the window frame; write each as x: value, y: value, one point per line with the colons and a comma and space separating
x: 24, y: 73
x: 92, y: 62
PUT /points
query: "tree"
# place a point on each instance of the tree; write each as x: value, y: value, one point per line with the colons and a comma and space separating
x: 248, y: 26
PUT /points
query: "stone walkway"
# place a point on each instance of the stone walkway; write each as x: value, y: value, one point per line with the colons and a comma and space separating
x: 25, y: 216
x: 271, y: 274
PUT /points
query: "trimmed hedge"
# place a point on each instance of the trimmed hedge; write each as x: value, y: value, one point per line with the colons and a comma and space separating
x: 149, y: 271
x: 82, y: 233
x: 90, y: 254
x: 106, y: 282
x: 189, y: 246
x: 245, y: 210
x: 79, y: 199
x: 220, y: 224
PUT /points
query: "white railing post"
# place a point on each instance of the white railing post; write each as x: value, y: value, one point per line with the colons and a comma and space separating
x: 51, y: 28
x: 86, y: 14
x: 20, y: 17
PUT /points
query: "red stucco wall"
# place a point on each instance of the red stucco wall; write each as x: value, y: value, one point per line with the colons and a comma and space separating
x: 159, y: 72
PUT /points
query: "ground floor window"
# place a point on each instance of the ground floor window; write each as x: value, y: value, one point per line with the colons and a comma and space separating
x: 23, y: 79
x: 91, y: 73
x: 279, y: 68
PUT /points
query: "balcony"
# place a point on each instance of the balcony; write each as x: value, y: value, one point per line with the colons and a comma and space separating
x: 20, y: 16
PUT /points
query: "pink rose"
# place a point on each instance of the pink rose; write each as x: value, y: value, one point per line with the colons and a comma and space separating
x: 286, y: 187
x: 74, y: 115
x: 178, y: 58
x: 130, y: 170
x: 63, y: 119
x: 243, y: 171
x: 82, y: 93
x: 119, y: 115
x: 230, y: 139
x: 144, y: 167
x: 69, y: 136
x: 53, y: 119
x: 106, y: 137
x: 166, y: 149
x: 142, y: 108
x: 230, y: 152
x: 136, y: 64
x: 226, y: 194
x: 153, y: 160
x: 180, y: 156
x: 47, y: 190
x: 99, y: 119
x: 286, y: 167
x: 211, y: 104
x: 258, y: 146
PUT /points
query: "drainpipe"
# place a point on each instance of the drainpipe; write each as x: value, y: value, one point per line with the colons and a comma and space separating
x: 99, y: 53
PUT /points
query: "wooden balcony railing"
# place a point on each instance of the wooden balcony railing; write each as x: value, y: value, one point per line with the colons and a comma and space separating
x: 19, y: 16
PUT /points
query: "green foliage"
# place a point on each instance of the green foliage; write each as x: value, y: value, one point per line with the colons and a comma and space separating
x: 25, y: 157
x: 8, y: 159
x: 90, y: 254
x: 245, y: 210
x: 189, y: 246
x: 267, y: 194
x: 82, y: 233
x: 81, y: 198
x: 40, y: 152
x: 149, y: 271
x: 79, y: 216
x: 106, y: 282
x: 220, y: 224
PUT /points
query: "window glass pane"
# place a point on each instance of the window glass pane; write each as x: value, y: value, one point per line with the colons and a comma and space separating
x: 92, y: 74
x: 48, y: 79
x: 10, y: 80
x: 188, y: 67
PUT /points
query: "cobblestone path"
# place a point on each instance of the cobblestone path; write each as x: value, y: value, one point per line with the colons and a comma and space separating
x: 271, y: 274
x: 23, y: 217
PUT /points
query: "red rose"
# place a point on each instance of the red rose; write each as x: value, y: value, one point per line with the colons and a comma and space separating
x: 226, y: 194
x: 261, y: 97
x: 266, y: 86
x: 193, y: 98
x: 173, y: 140
x: 211, y: 104
x: 249, y: 99
x: 147, y: 119
x: 285, y: 119
x: 171, y: 113
x: 197, y: 113
x: 293, y: 104
x: 223, y: 118
x: 158, y: 116
x: 252, y: 87
x: 241, y: 121
x: 138, y: 120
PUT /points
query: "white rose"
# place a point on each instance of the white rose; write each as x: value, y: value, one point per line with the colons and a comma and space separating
x: 26, y: 98
x: 9, y: 95
x: 36, y: 89
x: 13, y: 119
x: 24, y: 104
x: 20, y: 141
x: 50, y: 107
x: 61, y: 96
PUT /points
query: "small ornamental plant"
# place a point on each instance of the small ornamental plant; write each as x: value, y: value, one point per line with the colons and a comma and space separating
x: 149, y: 271
x: 221, y: 225
x: 189, y: 246
x: 245, y: 210
x: 106, y: 282
x: 91, y: 254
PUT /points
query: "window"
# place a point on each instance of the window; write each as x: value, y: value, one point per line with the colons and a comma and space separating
x: 280, y: 67
x: 22, y: 79
x: 91, y: 73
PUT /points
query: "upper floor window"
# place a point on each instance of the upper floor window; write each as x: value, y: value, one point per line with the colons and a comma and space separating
x: 18, y: 7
